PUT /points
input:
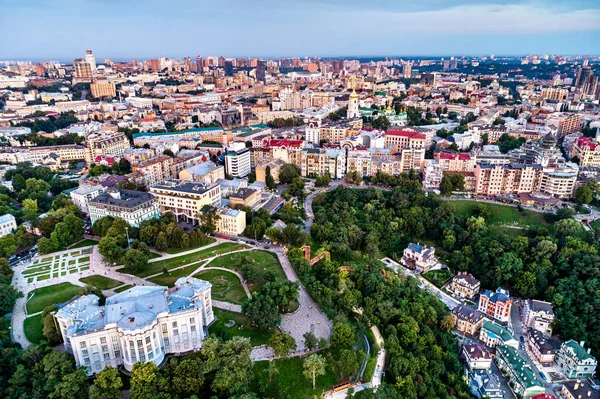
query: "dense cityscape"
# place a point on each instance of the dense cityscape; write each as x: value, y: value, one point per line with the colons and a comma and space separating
x: 334, y: 227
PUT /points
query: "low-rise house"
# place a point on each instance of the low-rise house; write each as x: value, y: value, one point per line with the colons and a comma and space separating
x: 8, y: 223
x: 494, y: 335
x: 575, y: 360
x: 419, y: 257
x: 477, y: 356
x: 207, y: 172
x: 244, y: 197
x: 538, y: 315
x: 496, y: 304
x: 522, y: 377
x: 543, y: 349
x: 467, y: 320
x: 464, y: 285
x: 231, y: 221
x: 485, y: 384
x: 578, y: 390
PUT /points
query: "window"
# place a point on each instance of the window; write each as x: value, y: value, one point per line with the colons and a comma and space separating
x: 193, y: 328
x: 104, y: 348
x: 86, y: 360
x: 115, y: 338
x: 140, y: 343
x: 174, y: 324
x: 147, y: 340
x: 82, y: 344
x: 84, y: 352
x: 106, y: 356
x: 192, y: 320
x: 116, y: 346
x: 150, y: 355
x: 117, y: 354
x: 102, y: 340
x: 175, y: 332
x: 166, y: 341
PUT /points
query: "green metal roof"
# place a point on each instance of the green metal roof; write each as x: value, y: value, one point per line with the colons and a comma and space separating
x: 579, y: 350
x: 522, y: 369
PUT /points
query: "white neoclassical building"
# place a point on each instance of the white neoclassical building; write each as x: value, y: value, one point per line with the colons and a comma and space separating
x: 140, y: 324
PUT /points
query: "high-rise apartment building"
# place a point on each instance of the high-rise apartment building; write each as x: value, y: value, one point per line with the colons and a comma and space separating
x: 407, y: 70
x: 83, y: 70
x: 90, y: 59
x: 261, y: 71
x: 103, y: 89
x: 237, y: 160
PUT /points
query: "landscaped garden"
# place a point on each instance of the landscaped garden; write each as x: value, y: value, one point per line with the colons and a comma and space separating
x: 503, y: 215
x: 83, y: 243
x: 104, y: 283
x: 33, y: 329
x: 229, y: 324
x: 438, y: 277
x: 264, y: 261
x: 226, y: 286
x: 50, y: 295
x: 123, y: 288
x: 207, y: 241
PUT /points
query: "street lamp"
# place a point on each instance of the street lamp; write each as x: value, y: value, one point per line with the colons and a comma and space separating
x: 127, y: 232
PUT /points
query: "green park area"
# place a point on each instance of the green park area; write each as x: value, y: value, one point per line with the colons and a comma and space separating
x: 168, y: 279
x: 503, y: 215
x: 263, y: 261
x: 207, y: 241
x: 226, y: 286
x: 289, y: 379
x: 33, y: 329
x: 50, y: 295
x: 159, y: 265
x: 104, y: 283
x: 83, y: 243
x: 123, y: 288
x: 438, y: 277
x: 230, y: 324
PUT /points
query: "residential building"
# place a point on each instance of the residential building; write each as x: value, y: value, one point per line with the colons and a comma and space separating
x: 522, y: 377
x: 570, y: 124
x: 555, y: 93
x: 485, y: 384
x: 560, y: 181
x: 132, y: 206
x: 587, y: 151
x: 467, y: 320
x: 507, y: 179
x: 244, y: 197
x: 359, y: 161
x: 477, y: 356
x: 105, y: 144
x: 318, y: 161
x: 207, y: 172
x: 494, y: 335
x: 186, y: 199
x: 83, y: 70
x: 575, y: 361
x: 538, y: 315
x: 156, y: 170
x: 455, y: 162
x: 578, y: 390
x: 103, y: 89
x: 419, y: 257
x: 544, y: 349
x: 432, y: 174
x: 404, y: 139
x: 274, y: 168
x: 237, y: 160
x: 464, y: 285
x: 82, y: 195
x: 8, y: 223
x: 141, y: 324
x: 231, y: 221
x: 496, y: 304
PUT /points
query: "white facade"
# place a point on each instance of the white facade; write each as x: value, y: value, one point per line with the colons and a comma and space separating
x: 140, y: 324
x: 132, y: 206
x: 7, y: 224
x: 313, y: 131
x: 83, y: 195
x: 237, y: 160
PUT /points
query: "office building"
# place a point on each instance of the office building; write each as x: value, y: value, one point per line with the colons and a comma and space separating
x: 91, y: 60
x: 261, y: 71
x: 237, y: 160
x: 83, y: 70
x: 186, y: 199
x: 142, y: 324
x: 132, y: 206
x: 103, y: 89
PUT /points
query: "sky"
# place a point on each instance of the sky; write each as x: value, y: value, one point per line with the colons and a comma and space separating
x: 122, y: 29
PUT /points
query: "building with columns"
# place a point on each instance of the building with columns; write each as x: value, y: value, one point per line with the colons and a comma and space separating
x: 142, y: 324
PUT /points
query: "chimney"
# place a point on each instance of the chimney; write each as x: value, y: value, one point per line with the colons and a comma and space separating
x: 576, y: 387
x: 589, y: 350
x: 581, y: 343
x: 472, y: 349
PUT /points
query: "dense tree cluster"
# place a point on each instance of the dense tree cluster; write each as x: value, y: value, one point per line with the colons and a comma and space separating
x: 122, y: 167
x: 266, y: 306
x: 50, y: 123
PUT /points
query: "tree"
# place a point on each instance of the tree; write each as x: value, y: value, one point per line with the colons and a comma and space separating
x: 446, y: 185
x: 209, y: 217
x: 71, y: 386
x: 234, y: 371
x: 274, y: 234
x: 168, y: 153
x: 342, y: 336
x: 447, y: 323
x: 310, y: 340
x: 188, y: 377
x: 45, y: 246
x: 49, y: 329
x: 107, y: 384
x: 262, y: 311
x: 323, y: 181
x: 282, y: 343
x: 314, y: 366
x: 381, y: 123
x: 270, y: 181
x: 30, y: 207
x: 567, y: 228
x: 135, y: 260
x: 584, y: 195
x: 353, y: 177
x: 288, y: 172
x: 8, y: 245
x: 143, y: 380
x: 102, y: 225
x: 18, y: 183
x: 348, y: 361
x: 109, y: 248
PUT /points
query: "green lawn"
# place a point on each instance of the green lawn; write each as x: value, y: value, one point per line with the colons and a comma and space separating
x: 33, y: 329
x: 503, y: 214
x: 153, y: 255
x: 171, y: 263
x: 438, y: 277
x: 226, y: 286
x: 123, y: 288
x: 104, y: 283
x: 207, y: 241
x: 170, y: 278
x: 84, y: 259
x: 264, y: 259
x: 370, y: 369
x: 35, y: 270
x: 290, y: 381
x: 595, y: 224
x: 51, y: 295
x: 83, y: 243
x: 218, y: 328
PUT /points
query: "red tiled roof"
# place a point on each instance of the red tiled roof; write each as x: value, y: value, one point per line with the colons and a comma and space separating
x: 461, y: 156
x: 284, y: 143
x: 586, y: 142
x: 543, y: 396
x: 405, y: 133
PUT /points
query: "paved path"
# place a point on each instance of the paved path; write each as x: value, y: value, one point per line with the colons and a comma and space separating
x: 242, y: 281
x: 232, y: 307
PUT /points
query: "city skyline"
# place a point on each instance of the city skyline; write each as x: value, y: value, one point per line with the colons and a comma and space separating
x: 122, y: 30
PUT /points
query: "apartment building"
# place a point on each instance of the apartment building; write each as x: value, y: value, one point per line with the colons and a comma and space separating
x: 237, y: 160
x: 231, y: 221
x: 467, y: 320
x: 560, y: 181
x: 105, y: 144
x: 318, y: 161
x: 103, y: 89
x: 244, y: 197
x: 142, y: 324
x: 359, y: 161
x: 587, y: 151
x: 496, y: 304
x: 132, y: 206
x: 555, y: 93
x: 186, y: 199
x: 543, y: 348
x: 432, y: 175
x: 404, y: 139
x: 578, y: 390
x: 507, y: 179
x: 570, y: 124
x: 274, y: 168
x: 455, y: 162
x: 8, y: 223
x: 156, y: 170
x: 464, y: 285
x: 207, y: 172
x: 538, y: 315
x: 522, y: 377
x: 477, y: 357
x: 576, y: 361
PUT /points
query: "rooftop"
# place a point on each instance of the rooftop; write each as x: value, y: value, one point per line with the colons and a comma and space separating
x: 122, y: 198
